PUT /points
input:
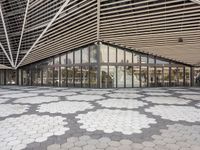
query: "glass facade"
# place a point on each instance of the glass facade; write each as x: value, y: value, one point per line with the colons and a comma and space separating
x: 104, y: 66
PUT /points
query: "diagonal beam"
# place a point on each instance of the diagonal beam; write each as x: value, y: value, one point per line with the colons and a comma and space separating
x: 6, y: 54
x: 22, y: 32
x: 6, y: 34
x: 45, y: 30
x: 196, y: 1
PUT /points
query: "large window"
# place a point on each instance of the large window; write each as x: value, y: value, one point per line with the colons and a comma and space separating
x: 105, y: 66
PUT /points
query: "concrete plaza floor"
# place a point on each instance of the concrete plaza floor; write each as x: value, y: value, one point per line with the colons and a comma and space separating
x: 44, y: 118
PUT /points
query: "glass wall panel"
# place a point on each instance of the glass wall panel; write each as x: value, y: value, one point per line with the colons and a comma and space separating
x: 174, y: 76
x: 159, y: 76
x: 93, y: 76
x: 161, y: 62
x: 34, y: 76
x: 187, y: 76
x: 120, y: 55
x: 70, y: 77
x: 11, y: 77
x: 129, y: 75
x: 70, y: 58
x: 50, y: 62
x: 166, y: 76
x: 85, y: 76
x: 120, y: 76
x: 112, y: 54
x: 93, y: 54
x: 196, y: 76
x: 151, y: 60
x: 2, y: 77
x: 128, y: 57
x: 63, y: 76
x: 56, y: 60
x: 45, y: 76
x: 104, y: 76
x: 144, y: 76
x: 56, y: 76
x: 143, y: 59
x: 77, y: 76
x: 136, y: 58
x: 136, y: 76
x: 85, y: 55
x: 103, y: 53
x: 50, y: 77
x: 152, y: 77
x: 63, y: 59
x: 180, y: 76
x: 112, y: 77
x: 77, y: 57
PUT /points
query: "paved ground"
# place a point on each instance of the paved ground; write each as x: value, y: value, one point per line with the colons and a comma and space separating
x: 40, y: 118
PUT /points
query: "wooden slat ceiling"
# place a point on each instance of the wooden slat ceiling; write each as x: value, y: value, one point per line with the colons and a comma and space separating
x: 167, y: 28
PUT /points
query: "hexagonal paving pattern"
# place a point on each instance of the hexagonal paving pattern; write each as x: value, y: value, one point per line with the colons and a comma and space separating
x: 36, y: 100
x: 176, y: 113
x: 124, y: 95
x: 65, y: 107
x: 47, y: 118
x: 85, y: 97
x: 10, y: 109
x: 127, y: 122
x: 16, y: 133
x: 166, y: 100
x: 121, y: 103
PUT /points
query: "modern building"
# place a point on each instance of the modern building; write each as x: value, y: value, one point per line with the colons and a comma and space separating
x: 100, y: 43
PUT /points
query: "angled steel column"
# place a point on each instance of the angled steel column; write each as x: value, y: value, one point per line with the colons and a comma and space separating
x: 6, y: 34
x: 22, y: 32
x: 6, y: 54
x: 45, y: 30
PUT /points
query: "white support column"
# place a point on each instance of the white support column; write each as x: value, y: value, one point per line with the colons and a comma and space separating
x: 45, y: 30
x: 6, y: 54
x: 6, y: 34
x: 22, y: 32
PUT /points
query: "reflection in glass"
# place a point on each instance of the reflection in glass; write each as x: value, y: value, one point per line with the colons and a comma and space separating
x: 174, y: 78
x: 103, y: 53
x: 77, y: 57
x: 136, y: 58
x: 120, y: 76
x: 180, y: 76
x: 70, y: 77
x: 56, y: 76
x: 93, y: 76
x: 45, y: 76
x: 70, y: 58
x: 120, y: 55
x: 11, y: 77
x: 104, y: 75
x: 128, y: 57
x: 50, y: 77
x: 63, y: 59
x: 159, y: 76
x: 152, y: 76
x: 129, y: 76
x: 93, y: 54
x: 77, y: 76
x: 151, y: 60
x: 112, y: 54
x: 161, y: 62
x: 144, y: 76
x: 143, y: 59
x: 85, y: 76
x: 136, y: 76
x: 2, y: 77
x: 56, y: 61
x: 85, y: 55
x: 187, y: 76
x: 166, y: 76
x: 112, y: 77
x: 197, y: 76
x: 63, y: 76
